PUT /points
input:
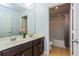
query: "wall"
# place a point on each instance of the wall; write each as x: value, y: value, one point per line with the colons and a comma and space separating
x: 14, y: 17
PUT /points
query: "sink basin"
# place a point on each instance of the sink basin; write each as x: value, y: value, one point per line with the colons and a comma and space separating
x: 30, y: 36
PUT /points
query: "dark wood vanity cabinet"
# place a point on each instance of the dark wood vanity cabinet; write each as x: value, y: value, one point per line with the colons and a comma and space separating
x: 32, y: 48
x: 20, y: 54
x: 0, y: 53
x: 35, y: 51
x: 38, y: 47
x: 28, y: 52
x: 17, y: 50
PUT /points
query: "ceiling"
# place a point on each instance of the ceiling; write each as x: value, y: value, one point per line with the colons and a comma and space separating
x: 16, y: 6
x: 59, y: 9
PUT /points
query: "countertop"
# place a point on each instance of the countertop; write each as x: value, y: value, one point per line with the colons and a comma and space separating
x: 6, y: 43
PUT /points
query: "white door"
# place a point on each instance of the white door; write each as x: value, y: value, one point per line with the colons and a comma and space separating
x: 78, y: 27
x: 74, y: 31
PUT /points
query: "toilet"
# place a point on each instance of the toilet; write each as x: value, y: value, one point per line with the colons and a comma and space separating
x: 50, y: 45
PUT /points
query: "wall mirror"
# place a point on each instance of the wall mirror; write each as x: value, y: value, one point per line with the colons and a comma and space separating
x: 15, y: 18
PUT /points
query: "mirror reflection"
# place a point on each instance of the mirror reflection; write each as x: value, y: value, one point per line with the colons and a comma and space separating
x: 16, y: 18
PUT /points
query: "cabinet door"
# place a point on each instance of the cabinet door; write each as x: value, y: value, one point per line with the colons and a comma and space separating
x: 28, y: 52
x: 0, y: 53
x: 12, y: 51
x: 40, y: 49
x: 35, y: 51
x: 42, y: 41
x: 36, y: 42
x: 20, y: 54
x: 17, y: 49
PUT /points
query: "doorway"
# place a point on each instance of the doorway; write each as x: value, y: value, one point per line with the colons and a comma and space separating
x: 23, y: 25
x: 59, y: 26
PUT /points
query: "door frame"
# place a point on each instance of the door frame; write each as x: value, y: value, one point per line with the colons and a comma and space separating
x: 75, y: 29
x: 71, y: 28
x: 71, y: 24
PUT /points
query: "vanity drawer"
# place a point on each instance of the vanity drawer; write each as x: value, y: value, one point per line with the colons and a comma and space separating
x: 26, y: 45
x: 36, y: 42
x: 17, y: 49
x: 12, y: 51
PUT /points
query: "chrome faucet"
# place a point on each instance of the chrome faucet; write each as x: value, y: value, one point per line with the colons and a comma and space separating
x: 13, y: 39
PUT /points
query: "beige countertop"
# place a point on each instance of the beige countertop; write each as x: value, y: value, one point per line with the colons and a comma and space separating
x: 6, y: 43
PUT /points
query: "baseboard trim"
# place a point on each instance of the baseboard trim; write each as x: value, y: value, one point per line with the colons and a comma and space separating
x: 45, y: 53
x: 59, y: 43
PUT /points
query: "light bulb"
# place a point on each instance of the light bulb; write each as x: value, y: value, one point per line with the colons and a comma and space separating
x: 56, y: 7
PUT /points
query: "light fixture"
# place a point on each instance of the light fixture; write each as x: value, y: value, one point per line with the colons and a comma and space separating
x: 56, y: 7
x: 28, y: 5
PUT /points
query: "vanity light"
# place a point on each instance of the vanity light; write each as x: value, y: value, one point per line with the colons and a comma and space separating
x: 23, y: 29
x: 56, y: 7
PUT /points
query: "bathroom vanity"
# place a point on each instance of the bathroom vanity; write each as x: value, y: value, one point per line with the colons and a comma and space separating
x: 16, y: 22
x: 33, y: 46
